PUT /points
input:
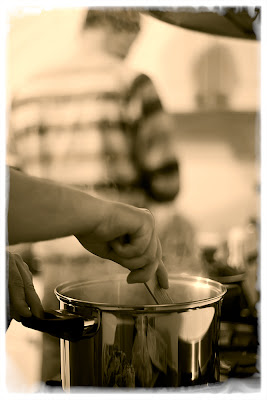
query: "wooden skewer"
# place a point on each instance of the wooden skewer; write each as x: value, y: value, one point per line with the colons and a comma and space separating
x: 160, y: 295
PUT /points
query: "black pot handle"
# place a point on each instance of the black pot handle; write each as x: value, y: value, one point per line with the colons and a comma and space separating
x: 58, y: 323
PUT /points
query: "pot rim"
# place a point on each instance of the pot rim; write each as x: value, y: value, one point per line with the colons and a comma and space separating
x: 146, y: 307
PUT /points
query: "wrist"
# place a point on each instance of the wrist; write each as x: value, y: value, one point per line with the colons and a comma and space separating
x: 90, y: 214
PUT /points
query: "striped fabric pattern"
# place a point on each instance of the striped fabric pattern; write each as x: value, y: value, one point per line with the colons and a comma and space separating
x: 76, y: 125
x: 70, y: 128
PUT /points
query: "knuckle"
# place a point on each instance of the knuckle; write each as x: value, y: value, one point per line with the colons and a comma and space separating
x: 12, y: 259
x: 17, y: 256
x: 149, y: 216
x: 26, y: 267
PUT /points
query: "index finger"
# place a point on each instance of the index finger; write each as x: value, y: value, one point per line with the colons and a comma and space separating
x: 162, y: 276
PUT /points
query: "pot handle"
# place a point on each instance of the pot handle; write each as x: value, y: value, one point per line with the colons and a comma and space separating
x: 62, y: 324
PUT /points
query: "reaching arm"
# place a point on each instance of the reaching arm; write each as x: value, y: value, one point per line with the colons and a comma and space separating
x: 43, y: 210
x: 40, y: 209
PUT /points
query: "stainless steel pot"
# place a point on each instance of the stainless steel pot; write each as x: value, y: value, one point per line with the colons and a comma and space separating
x: 118, y: 337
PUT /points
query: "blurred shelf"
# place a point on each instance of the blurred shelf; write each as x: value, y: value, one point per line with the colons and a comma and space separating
x: 240, y: 130
x: 216, y: 112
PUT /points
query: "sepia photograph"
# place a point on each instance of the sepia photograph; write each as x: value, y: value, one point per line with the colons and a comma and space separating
x: 133, y: 199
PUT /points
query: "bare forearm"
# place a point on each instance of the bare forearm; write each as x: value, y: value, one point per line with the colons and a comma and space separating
x: 42, y: 210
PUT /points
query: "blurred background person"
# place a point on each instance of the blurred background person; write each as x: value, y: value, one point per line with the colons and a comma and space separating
x: 153, y: 150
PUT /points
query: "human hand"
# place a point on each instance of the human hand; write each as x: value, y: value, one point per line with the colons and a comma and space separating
x: 23, y: 298
x: 127, y: 236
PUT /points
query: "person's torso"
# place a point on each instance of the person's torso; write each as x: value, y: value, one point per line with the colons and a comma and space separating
x: 68, y: 126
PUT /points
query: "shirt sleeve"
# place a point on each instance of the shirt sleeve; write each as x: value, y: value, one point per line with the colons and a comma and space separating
x: 150, y: 126
x: 142, y: 100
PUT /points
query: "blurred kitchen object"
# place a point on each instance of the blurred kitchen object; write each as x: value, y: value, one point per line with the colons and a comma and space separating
x: 235, y: 243
x: 233, y: 262
x: 216, y: 78
x: 251, y: 246
x: 208, y: 243
x: 237, y: 22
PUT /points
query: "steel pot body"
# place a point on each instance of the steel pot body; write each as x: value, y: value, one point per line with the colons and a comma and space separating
x: 129, y: 341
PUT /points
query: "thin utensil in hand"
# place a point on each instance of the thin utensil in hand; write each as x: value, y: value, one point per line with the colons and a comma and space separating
x: 160, y: 295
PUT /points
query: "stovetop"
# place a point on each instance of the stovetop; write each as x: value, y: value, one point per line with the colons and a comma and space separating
x: 239, y: 350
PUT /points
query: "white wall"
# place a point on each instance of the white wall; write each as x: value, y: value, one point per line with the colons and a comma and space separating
x: 218, y: 189
x: 168, y: 54
x: 37, y: 41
